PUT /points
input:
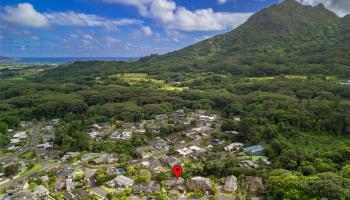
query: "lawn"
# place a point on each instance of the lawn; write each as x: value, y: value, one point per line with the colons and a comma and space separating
x: 34, y: 169
x: 28, y: 154
x: 108, y: 189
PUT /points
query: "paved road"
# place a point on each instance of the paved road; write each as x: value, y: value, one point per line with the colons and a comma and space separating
x: 34, y: 140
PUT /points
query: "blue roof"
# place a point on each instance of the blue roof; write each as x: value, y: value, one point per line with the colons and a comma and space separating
x: 119, y: 170
x: 254, y: 149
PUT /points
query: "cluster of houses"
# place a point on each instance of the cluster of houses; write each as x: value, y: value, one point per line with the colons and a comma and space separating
x: 247, y: 157
x: 155, y: 158
x: 19, y: 137
x: 121, y: 130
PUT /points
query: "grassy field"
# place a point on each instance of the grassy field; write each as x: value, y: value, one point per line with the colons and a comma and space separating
x: 137, y: 78
x: 172, y: 88
x: 133, y: 78
x: 34, y: 169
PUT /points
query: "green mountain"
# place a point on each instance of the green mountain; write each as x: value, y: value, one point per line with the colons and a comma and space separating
x: 284, y: 35
x: 286, y: 38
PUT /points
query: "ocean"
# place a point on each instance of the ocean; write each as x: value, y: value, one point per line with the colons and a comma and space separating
x: 71, y: 59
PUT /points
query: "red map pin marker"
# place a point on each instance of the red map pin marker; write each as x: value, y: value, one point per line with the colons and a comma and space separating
x: 177, y: 169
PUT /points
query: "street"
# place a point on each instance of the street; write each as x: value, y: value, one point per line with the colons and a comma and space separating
x: 34, y: 140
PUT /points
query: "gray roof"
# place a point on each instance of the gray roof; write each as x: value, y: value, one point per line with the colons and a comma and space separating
x: 154, y: 163
x: 230, y: 183
x: 146, y: 187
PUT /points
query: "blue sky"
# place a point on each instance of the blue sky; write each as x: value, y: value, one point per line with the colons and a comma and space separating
x: 104, y: 28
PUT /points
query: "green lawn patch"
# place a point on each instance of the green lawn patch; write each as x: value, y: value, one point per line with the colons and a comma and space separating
x: 108, y: 189
x: 34, y: 169
x: 28, y: 154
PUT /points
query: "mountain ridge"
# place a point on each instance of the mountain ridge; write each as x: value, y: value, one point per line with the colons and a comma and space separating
x: 285, y: 38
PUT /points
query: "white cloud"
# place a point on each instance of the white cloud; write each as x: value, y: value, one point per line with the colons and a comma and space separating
x: 147, y: 31
x: 82, y: 19
x: 24, y: 14
x: 88, y: 37
x: 175, y: 36
x: 2, y: 37
x: 112, y: 40
x: 140, y: 4
x: 178, y: 17
x: 340, y: 7
x: 221, y: 1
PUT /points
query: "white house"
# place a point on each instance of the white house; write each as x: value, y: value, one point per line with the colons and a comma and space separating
x: 40, y: 191
x: 234, y: 147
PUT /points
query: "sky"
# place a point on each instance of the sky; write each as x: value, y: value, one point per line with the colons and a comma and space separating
x: 122, y: 28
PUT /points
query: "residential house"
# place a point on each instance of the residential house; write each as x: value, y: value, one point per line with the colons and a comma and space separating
x: 248, y: 163
x: 21, y: 135
x: 126, y: 135
x: 40, y: 191
x: 50, y: 154
x: 234, y: 147
x: 25, y: 124
x: 262, y: 159
x: 159, y: 144
x: 154, y: 163
x: 76, y: 194
x: 22, y: 195
x: 230, y: 184
x: 70, y: 155
x: 113, y: 170
x: 115, y: 135
x: 253, y: 149
x: 200, y: 183
x: 89, y: 156
x: 254, y: 182
x: 144, y: 151
x: 66, y: 172
x: 171, y: 161
x: 22, y: 166
x: 45, y: 179
x: 121, y: 182
x: 18, y: 185
x: 105, y: 158
x: 174, y: 138
x: 176, y: 184
x: 140, y: 131
x: 185, y: 151
x: 146, y: 187
x: 60, y: 185
x: 161, y: 117
x: 47, y: 145
x: 70, y: 185
x: 197, y: 150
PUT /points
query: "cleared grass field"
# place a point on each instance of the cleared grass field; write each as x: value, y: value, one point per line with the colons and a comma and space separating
x: 133, y: 78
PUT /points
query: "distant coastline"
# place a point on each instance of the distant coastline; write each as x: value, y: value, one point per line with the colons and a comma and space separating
x: 48, y: 60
